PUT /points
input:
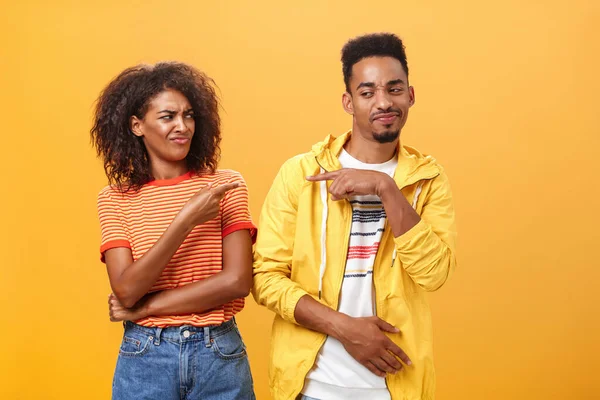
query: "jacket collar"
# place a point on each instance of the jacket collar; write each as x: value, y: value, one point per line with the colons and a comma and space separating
x: 412, y: 165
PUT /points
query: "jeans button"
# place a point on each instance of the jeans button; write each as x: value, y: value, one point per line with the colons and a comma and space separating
x: 186, y: 334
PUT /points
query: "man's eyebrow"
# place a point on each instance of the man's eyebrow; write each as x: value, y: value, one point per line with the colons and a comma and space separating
x: 372, y: 85
x: 395, y: 82
x: 365, y: 84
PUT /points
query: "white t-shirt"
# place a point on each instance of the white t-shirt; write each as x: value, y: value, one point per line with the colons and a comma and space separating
x: 336, y: 375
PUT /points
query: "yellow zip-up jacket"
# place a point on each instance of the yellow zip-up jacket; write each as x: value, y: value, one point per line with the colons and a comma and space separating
x: 297, y: 218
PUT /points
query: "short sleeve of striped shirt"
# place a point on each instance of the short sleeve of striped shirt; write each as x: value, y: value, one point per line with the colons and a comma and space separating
x: 111, y: 223
x: 235, y: 212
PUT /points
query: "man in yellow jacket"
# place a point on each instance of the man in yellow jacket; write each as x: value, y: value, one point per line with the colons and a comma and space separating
x: 351, y: 237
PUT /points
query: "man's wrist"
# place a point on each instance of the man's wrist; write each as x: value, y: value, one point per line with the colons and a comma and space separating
x: 338, y: 322
x: 386, y: 188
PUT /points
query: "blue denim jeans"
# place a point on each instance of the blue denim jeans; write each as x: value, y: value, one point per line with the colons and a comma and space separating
x: 183, y: 363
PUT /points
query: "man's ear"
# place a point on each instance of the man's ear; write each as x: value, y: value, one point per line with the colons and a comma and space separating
x: 411, y: 93
x: 347, y: 103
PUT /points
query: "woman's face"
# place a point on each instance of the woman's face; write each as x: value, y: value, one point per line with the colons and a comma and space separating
x: 167, y: 127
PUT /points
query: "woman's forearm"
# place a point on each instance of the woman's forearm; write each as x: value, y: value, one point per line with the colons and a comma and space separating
x: 130, y: 280
x: 233, y: 282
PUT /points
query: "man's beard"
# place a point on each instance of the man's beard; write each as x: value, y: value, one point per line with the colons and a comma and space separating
x: 387, y: 136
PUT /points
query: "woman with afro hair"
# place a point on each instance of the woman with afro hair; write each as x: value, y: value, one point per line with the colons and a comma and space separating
x: 176, y: 237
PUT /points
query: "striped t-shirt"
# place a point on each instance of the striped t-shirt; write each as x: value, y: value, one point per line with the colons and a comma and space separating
x: 136, y: 220
x: 336, y: 375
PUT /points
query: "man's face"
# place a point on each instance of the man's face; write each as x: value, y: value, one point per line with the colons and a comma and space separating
x: 379, y: 98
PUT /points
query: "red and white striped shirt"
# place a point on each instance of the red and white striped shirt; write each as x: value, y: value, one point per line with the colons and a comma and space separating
x: 136, y: 220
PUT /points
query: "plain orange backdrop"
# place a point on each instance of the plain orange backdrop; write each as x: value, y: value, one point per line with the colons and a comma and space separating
x: 506, y: 99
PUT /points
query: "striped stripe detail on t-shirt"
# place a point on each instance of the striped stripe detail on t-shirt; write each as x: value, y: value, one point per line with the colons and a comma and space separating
x: 137, y: 220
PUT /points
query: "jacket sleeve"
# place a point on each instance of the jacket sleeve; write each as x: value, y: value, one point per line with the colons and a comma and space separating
x: 273, y: 286
x: 427, y: 250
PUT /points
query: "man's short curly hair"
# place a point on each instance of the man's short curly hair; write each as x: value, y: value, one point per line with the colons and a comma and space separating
x: 371, y: 45
x: 125, y: 157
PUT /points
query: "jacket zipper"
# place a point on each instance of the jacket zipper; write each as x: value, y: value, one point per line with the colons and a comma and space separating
x: 337, y: 300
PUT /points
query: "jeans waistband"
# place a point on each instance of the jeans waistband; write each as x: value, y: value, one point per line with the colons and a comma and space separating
x: 184, y: 332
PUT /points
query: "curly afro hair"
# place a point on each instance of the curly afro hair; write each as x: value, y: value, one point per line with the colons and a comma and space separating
x: 372, y: 45
x: 125, y: 158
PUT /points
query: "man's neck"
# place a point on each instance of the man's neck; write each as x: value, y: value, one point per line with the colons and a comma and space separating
x: 370, y: 151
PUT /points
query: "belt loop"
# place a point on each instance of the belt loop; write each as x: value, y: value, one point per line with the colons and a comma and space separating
x: 207, y: 336
x: 157, y: 336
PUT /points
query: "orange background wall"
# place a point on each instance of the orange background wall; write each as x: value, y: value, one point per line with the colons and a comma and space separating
x: 507, y: 99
